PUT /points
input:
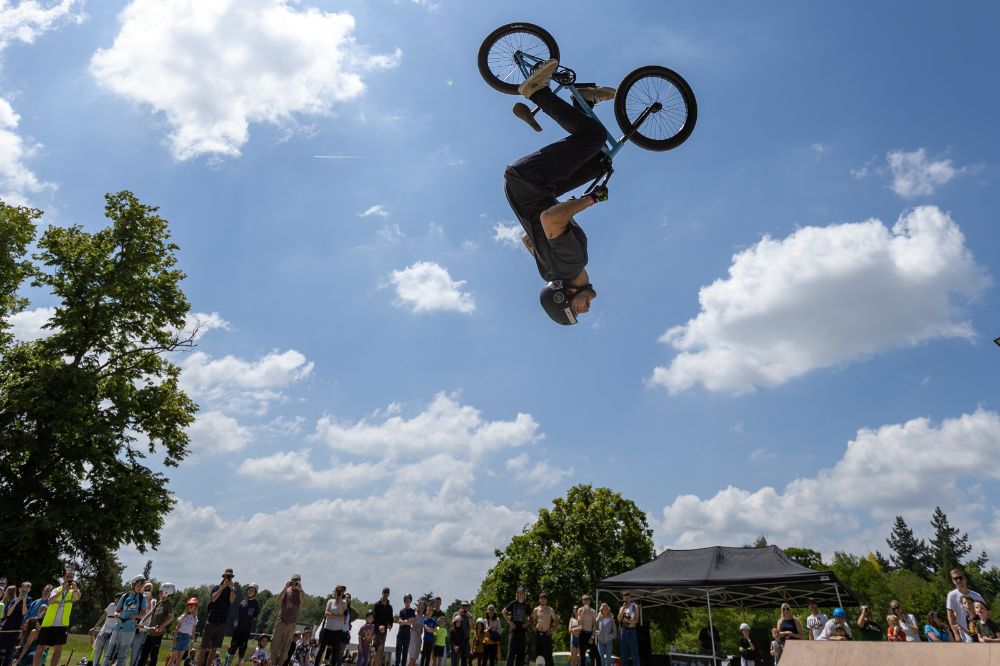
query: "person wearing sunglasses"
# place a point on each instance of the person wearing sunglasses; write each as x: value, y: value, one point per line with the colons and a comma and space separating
x: 958, y: 618
x: 907, y: 623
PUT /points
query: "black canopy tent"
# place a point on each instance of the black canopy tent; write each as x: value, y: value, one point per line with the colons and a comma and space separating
x: 728, y: 578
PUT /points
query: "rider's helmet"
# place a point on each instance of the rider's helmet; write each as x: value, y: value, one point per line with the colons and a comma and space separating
x: 137, y: 579
x: 555, y: 302
x: 193, y: 601
x: 168, y: 589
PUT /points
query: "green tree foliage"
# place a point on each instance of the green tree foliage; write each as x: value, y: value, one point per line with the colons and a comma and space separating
x: 908, y: 552
x: 948, y: 545
x: 589, y: 534
x: 806, y: 557
x: 82, y: 408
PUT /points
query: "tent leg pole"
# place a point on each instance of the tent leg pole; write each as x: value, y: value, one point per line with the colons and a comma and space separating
x: 711, y: 627
x: 836, y: 589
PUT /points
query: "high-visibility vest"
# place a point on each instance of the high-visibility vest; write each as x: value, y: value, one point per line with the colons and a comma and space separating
x: 57, y: 614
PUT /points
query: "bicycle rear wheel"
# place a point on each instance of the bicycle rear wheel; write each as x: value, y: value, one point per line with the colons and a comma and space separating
x: 497, y: 62
x: 670, y: 125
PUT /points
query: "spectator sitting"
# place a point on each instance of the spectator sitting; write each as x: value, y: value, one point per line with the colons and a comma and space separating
x: 29, y: 642
x: 907, y: 622
x: 935, y: 630
x: 894, y: 632
x: 816, y: 620
x: 836, y: 629
x: 986, y: 629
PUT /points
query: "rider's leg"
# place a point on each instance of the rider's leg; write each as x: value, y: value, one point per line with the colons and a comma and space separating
x: 559, y: 162
x: 585, y: 174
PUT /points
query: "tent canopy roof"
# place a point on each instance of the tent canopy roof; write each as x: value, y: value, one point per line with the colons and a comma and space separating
x: 728, y: 577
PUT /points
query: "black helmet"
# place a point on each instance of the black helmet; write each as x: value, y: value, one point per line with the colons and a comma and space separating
x: 555, y: 302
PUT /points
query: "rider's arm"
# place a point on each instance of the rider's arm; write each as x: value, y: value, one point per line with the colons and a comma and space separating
x: 556, y: 219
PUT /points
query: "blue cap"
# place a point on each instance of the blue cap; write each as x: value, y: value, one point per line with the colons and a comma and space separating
x: 839, y: 612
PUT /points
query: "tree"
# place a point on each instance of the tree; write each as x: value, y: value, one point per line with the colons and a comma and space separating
x: 806, y: 557
x: 147, y: 569
x: 82, y: 408
x: 589, y: 534
x: 948, y: 546
x: 908, y: 552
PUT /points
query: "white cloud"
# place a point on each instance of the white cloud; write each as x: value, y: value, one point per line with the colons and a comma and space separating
x: 899, y: 469
x: 28, y: 325
x: 508, y: 234
x: 197, y: 324
x: 391, y: 234
x: 427, y: 287
x: 29, y: 19
x: 215, y: 433
x: 444, y: 426
x: 17, y: 181
x: 913, y: 174
x: 823, y: 296
x: 761, y: 454
x: 539, y: 474
x: 377, y: 209
x: 239, y: 384
x: 294, y: 467
x: 447, y: 543
x: 213, y: 67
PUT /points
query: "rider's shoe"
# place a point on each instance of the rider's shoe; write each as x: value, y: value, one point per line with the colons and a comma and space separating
x: 595, y: 94
x: 539, y: 78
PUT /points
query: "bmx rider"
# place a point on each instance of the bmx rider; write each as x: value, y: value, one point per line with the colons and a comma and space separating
x: 532, y: 184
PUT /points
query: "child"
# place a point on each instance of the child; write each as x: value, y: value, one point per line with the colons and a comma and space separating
x: 457, y: 637
x: 775, y: 645
x: 259, y: 656
x: 574, y: 637
x: 185, y: 630
x: 29, y: 642
x: 970, y: 617
x: 365, y: 637
x: 986, y: 629
x: 476, y: 656
x: 747, y: 650
x: 894, y: 632
x: 440, y: 640
x: 427, y: 649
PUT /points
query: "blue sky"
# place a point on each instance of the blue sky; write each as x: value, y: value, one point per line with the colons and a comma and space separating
x: 796, y: 307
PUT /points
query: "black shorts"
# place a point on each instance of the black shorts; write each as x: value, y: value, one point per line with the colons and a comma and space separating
x: 213, y: 635
x: 438, y: 650
x: 53, y: 635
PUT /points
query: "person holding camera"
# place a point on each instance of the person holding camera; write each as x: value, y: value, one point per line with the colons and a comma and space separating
x: 14, y: 614
x: 628, y: 620
x: 246, y: 622
x: 289, y: 604
x: 517, y: 613
x: 223, y: 596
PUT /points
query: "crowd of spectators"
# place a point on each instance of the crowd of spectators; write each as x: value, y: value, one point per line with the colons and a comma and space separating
x: 133, y: 626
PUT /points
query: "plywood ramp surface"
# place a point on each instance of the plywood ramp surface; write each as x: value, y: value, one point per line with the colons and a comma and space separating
x: 861, y: 653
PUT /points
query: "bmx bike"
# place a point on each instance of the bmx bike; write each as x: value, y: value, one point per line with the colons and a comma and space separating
x: 654, y: 106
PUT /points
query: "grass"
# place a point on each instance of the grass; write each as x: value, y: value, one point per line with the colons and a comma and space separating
x: 78, y: 647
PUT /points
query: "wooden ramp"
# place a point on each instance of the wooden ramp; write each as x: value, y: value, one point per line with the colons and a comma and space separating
x: 862, y: 653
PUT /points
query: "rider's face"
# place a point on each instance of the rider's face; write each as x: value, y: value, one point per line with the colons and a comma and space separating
x: 581, y: 301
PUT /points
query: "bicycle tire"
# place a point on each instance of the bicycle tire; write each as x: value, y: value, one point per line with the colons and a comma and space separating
x: 665, y: 129
x: 498, y: 68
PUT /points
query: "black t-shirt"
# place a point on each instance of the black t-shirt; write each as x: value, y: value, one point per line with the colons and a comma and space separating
x: 518, y: 612
x: 406, y: 614
x: 870, y: 632
x: 986, y: 629
x: 218, y: 610
x: 246, y: 615
x: 561, y: 258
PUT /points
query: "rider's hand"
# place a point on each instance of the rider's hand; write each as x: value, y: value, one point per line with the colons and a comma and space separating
x: 599, y: 194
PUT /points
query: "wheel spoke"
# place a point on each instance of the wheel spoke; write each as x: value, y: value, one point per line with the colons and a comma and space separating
x: 502, y: 60
x: 662, y: 124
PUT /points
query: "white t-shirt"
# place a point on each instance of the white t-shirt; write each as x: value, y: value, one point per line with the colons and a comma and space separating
x: 186, y: 624
x: 830, y: 629
x: 815, y: 624
x: 109, y: 622
x: 955, y: 605
x: 908, y: 624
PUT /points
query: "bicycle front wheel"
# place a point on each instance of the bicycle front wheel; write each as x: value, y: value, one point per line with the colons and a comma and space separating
x: 498, y: 56
x: 673, y: 120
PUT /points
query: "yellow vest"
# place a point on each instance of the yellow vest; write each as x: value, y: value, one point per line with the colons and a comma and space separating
x: 57, y: 614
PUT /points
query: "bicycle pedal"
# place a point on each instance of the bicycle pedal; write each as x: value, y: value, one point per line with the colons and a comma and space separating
x: 522, y: 111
